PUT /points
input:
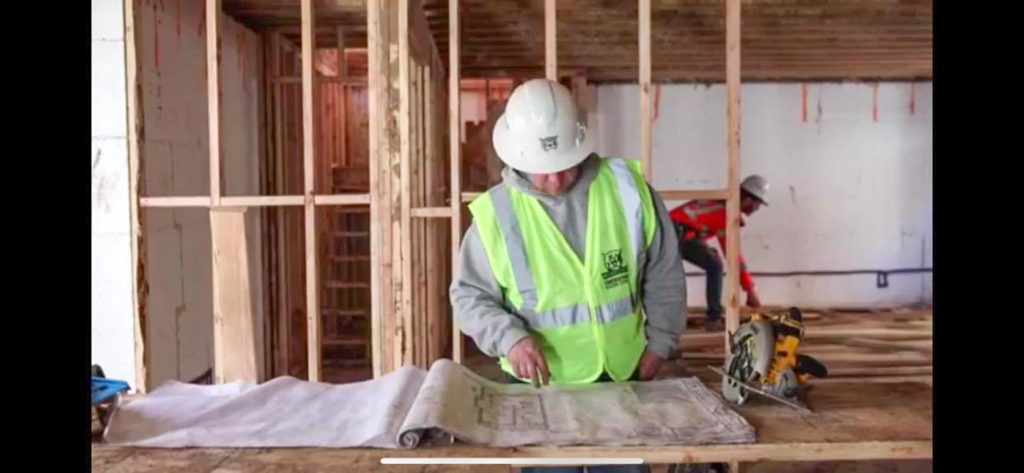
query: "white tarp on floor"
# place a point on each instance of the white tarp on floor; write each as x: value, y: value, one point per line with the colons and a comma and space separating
x: 399, y: 409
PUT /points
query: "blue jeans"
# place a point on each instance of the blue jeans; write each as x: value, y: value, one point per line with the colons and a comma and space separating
x: 701, y: 255
x: 590, y: 469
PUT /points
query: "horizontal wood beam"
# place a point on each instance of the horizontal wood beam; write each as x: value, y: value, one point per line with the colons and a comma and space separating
x: 432, y: 212
x: 262, y: 201
x: 879, y: 32
x: 818, y: 451
x: 690, y: 16
x: 714, y: 74
x: 254, y: 201
x: 350, y: 80
x: 341, y: 199
x: 322, y: 458
x: 197, y: 201
x: 594, y: 63
x: 700, y: 48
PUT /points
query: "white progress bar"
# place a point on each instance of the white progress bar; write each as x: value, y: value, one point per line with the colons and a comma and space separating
x: 509, y: 461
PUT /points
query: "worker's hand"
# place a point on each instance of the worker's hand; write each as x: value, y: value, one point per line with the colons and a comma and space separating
x: 649, y: 365
x: 528, y: 361
x: 752, y: 300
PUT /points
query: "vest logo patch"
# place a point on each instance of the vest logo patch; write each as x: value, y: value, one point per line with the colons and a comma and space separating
x: 616, y: 271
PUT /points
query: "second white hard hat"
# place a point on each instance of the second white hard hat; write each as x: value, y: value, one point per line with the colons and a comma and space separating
x: 542, y: 130
x: 756, y: 186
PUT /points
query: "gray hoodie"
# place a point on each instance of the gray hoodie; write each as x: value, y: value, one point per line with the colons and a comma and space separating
x: 477, y: 300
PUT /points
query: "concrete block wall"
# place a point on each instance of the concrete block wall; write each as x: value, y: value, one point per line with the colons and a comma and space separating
x: 179, y: 314
x: 175, y: 153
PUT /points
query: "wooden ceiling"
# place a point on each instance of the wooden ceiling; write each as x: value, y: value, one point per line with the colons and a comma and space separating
x: 781, y: 39
x: 350, y: 15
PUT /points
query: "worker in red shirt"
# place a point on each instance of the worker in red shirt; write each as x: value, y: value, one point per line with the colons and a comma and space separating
x: 700, y: 220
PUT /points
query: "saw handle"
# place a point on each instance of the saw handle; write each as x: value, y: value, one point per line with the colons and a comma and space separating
x: 809, y: 365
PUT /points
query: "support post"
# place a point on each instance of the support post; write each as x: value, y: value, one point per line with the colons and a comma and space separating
x: 308, y: 153
x: 455, y: 152
x: 280, y: 187
x: 550, y: 46
x: 376, y: 46
x: 732, y: 210
x: 404, y: 111
x: 645, y: 86
x: 342, y: 61
x: 138, y: 250
x: 213, y: 94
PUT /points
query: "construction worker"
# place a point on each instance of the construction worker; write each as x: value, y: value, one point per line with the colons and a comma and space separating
x: 700, y: 220
x: 570, y: 271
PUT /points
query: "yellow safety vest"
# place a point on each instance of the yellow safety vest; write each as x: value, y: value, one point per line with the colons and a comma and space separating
x: 586, y: 315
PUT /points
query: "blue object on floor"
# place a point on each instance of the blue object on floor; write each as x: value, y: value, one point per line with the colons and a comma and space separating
x: 103, y: 388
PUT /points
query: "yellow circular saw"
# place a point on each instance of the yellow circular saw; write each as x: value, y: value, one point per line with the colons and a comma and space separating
x: 764, y: 354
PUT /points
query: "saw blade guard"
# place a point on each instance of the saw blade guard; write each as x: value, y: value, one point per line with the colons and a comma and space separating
x: 731, y: 390
x: 752, y: 348
x: 756, y: 342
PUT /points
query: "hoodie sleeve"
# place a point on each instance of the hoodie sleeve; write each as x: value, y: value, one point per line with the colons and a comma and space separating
x: 477, y: 301
x: 664, y: 285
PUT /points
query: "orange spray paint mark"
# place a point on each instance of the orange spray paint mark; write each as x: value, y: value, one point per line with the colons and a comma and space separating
x: 803, y: 102
x: 874, y: 102
x: 913, y: 96
x: 657, y: 99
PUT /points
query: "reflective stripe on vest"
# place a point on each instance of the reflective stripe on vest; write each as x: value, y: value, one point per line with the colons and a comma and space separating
x: 632, y: 209
x: 516, y: 248
x: 577, y: 314
x: 702, y: 207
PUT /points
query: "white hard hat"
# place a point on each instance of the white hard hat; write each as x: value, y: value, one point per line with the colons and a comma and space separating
x: 542, y: 130
x: 756, y: 186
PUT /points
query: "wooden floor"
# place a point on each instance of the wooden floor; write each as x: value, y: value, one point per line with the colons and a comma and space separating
x: 864, y: 346
x: 878, y: 405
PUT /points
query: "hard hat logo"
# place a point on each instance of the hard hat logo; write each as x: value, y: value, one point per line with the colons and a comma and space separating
x: 549, y: 143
